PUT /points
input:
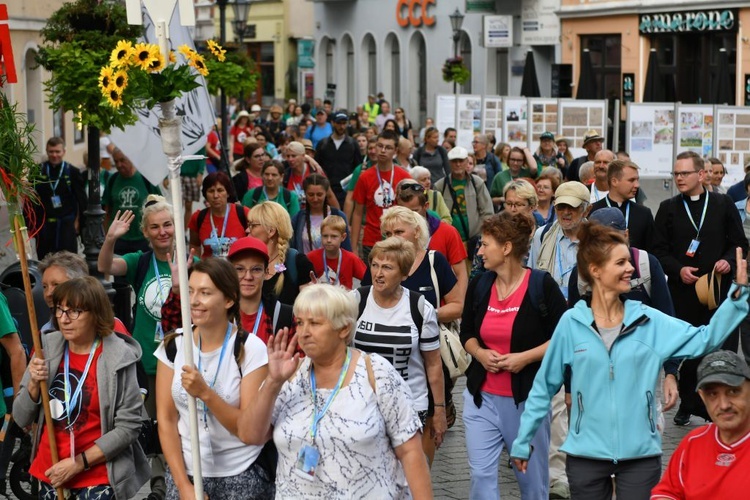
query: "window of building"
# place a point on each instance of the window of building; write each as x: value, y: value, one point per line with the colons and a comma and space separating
x: 263, y: 55
x: 606, y: 60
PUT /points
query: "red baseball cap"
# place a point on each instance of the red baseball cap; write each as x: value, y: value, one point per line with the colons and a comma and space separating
x: 248, y: 244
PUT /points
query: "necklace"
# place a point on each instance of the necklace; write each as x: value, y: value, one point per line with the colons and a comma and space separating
x: 611, y: 320
x: 511, y: 289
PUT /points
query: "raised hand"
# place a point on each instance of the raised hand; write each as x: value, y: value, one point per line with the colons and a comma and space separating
x: 741, y: 276
x: 121, y: 224
x: 175, y: 273
x: 282, y: 359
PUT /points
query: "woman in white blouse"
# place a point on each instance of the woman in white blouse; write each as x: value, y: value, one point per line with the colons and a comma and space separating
x: 343, y: 421
x: 227, y: 368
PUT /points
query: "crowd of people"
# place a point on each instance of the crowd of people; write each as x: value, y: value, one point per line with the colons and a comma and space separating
x: 332, y: 257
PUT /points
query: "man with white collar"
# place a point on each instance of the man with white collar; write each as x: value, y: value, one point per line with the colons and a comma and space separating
x: 696, y: 232
x: 713, y: 461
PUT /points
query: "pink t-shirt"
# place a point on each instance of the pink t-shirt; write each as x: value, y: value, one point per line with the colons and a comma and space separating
x: 496, y: 331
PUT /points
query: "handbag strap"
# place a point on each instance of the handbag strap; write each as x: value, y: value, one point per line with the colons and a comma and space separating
x: 433, y: 276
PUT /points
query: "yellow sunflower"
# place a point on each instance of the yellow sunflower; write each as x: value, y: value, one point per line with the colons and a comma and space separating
x: 216, y: 50
x: 197, y: 61
x: 122, y: 54
x: 172, y: 57
x: 114, y: 98
x: 106, y: 77
x: 186, y: 51
x: 120, y: 80
x: 158, y: 62
x: 144, y: 55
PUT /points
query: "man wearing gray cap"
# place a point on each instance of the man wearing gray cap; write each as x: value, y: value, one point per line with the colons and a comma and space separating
x: 713, y: 461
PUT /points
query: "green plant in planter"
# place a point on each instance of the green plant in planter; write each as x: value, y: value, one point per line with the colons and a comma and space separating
x: 454, y: 70
x: 237, y: 76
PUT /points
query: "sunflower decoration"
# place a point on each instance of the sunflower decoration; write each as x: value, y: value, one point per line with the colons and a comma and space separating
x: 158, y: 62
x: 172, y: 57
x: 122, y: 54
x: 216, y: 50
x: 120, y: 80
x: 186, y: 51
x: 106, y: 77
x: 197, y: 62
x: 114, y: 98
x: 144, y: 55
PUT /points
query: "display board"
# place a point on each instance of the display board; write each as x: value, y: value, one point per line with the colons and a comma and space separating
x: 515, y: 122
x: 649, y: 137
x: 732, y: 145
x: 469, y: 119
x: 544, y: 118
x: 577, y: 117
x: 492, y: 117
x: 445, y: 112
x: 695, y: 129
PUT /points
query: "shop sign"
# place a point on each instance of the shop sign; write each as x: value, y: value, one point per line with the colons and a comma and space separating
x: 498, y: 31
x: 414, y: 13
x: 539, y: 22
x: 480, y: 6
x: 697, y: 21
x: 305, y: 53
x: 628, y: 87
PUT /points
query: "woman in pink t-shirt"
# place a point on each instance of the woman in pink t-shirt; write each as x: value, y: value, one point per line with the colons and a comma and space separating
x: 506, y: 331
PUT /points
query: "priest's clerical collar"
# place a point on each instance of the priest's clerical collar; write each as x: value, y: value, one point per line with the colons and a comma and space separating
x: 695, y: 197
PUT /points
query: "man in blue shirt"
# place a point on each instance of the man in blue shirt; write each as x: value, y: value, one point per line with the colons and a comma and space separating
x: 320, y: 129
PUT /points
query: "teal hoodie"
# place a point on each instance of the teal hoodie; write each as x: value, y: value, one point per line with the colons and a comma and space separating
x: 614, y: 393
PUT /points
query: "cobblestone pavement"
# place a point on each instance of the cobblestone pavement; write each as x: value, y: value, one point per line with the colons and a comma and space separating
x: 450, y: 470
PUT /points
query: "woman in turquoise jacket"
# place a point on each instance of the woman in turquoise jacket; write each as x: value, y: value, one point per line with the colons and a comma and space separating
x: 615, y: 350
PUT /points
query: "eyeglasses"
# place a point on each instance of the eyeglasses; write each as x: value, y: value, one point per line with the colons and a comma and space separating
x: 385, y: 147
x: 72, y: 314
x: 516, y: 160
x: 516, y: 205
x: 682, y: 175
x: 259, y: 157
x: 255, y: 272
x: 417, y: 188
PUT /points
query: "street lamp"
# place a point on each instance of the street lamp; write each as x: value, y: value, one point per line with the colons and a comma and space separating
x: 457, y: 20
x: 241, y: 9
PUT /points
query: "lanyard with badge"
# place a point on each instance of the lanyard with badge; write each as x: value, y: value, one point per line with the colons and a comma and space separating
x: 56, y: 200
x: 627, y: 210
x: 337, y: 278
x: 387, y: 191
x: 219, y: 244
x: 309, y: 455
x: 72, y: 399
x: 201, y: 405
x: 695, y: 243
x: 158, y: 331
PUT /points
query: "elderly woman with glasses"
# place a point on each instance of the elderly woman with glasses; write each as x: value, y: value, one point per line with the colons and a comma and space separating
x: 95, y: 401
x: 434, y: 198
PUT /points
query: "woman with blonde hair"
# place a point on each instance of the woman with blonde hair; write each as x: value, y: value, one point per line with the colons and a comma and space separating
x: 288, y: 270
x: 520, y: 197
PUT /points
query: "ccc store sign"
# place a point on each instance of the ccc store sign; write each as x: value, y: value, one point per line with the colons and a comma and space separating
x: 414, y: 12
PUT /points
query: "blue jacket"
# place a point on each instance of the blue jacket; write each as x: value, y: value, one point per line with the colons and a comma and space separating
x: 614, y: 393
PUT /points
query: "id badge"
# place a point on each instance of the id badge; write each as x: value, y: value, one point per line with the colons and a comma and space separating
x: 56, y: 202
x: 694, y: 244
x: 158, y: 333
x: 307, y: 461
x: 57, y: 409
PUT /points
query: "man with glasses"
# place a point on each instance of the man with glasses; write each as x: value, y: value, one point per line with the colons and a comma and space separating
x: 521, y: 163
x: 467, y: 198
x: 485, y: 158
x: 697, y: 232
x: 338, y: 154
x: 375, y: 191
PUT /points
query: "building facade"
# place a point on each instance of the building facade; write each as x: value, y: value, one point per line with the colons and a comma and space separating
x: 398, y: 47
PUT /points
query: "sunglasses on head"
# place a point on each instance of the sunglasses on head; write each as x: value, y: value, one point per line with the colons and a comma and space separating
x: 417, y: 188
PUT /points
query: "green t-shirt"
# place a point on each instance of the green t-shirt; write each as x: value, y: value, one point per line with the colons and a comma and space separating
x: 460, y: 218
x: 191, y: 168
x: 292, y: 207
x: 149, y: 300
x: 128, y: 194
x: 7, y: 327
x: 355, y: 176
x: 503, y: 178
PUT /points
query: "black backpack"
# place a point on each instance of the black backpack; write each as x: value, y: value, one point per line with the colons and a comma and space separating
x: 240, y: 215
x: 416, y: 305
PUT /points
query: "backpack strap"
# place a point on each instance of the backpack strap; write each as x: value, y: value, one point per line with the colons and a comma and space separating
x: 241, y: 215
x: 370, y: 373
x: 256, y: 196
x: 201, y: 217
x: 170, y: 347
x: 416, y: 306
x: 536, y: 292
x: 141, y: 268
x: 286, y: 195
x: 364, y: 292
x: 239, y: 342
x: 291, y: 264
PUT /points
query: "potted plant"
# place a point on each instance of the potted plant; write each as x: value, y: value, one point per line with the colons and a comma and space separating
x: 454, y: 70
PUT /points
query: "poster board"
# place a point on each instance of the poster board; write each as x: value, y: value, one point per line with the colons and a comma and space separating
x: 515, y: 122
x: 445, y: 112
x: 544, y: 118
x: 576, y: 117
x: 492, y: 117
x: 695, y: 129
x: 469, y: 119
x: 649, y: 137
x: 732, y: 144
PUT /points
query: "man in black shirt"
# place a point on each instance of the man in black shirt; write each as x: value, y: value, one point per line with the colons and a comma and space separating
x: 592, y: 143
x: 338, y: 155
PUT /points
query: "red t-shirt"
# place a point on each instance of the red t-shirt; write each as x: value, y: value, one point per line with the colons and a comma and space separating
x: 248, y: 323
x: 218, y: 243
x: 86, y: 418
x: 239, y: 134
x: 447, y: 241
x: 351, y: 267
x: 703, y: 467
x: 376, y: 194
x: 496, y: 331
x: 294, y: 184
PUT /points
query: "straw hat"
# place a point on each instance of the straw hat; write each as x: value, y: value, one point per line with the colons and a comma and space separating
x: 708, y: 289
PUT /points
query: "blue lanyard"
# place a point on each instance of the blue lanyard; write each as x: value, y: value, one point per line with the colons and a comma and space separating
x: 387, y: 200
x: 627, y: 210
x: 224, y: 228
x: 72, y: 399
x: 257, y: 319
x: 316, y: 417
x: 212, y: 383
x: 703, y: 215
x: 59, y: 176
x: 560, y: 264
x: 159, y: 329
x: 338, y: 269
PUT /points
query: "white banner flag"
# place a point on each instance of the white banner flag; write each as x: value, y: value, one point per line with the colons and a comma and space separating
x: 141, y: 142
